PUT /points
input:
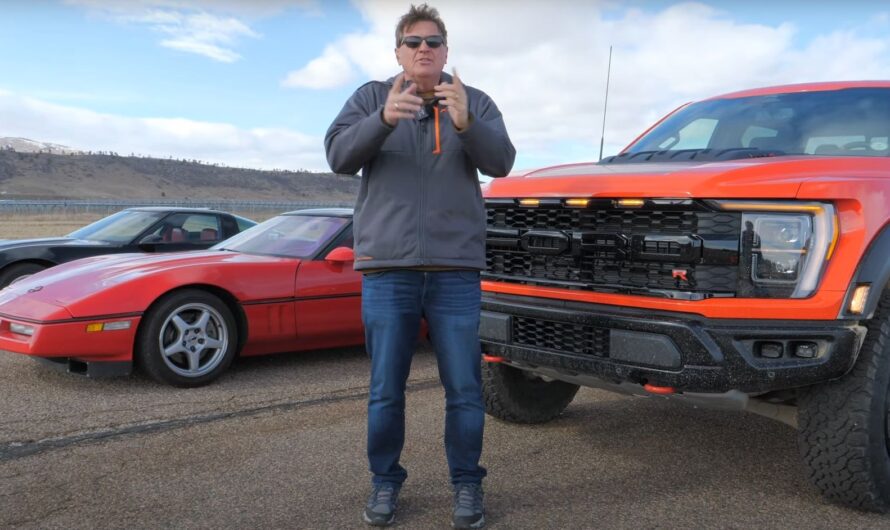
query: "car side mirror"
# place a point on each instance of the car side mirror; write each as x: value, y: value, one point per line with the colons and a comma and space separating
x: 340, y: 255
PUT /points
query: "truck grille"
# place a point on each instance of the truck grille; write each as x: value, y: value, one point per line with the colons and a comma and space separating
x: 561, y: 336
x: 683, y: 250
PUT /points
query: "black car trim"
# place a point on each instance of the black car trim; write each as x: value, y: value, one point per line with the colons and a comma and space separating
x: 299, y: 299
x: 71, y: 320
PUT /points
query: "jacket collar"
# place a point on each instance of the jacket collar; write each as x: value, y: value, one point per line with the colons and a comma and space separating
x: 443, y: 78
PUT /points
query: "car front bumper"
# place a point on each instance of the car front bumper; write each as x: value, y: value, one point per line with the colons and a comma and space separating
x: 677, y: 351
x: 70, y: 339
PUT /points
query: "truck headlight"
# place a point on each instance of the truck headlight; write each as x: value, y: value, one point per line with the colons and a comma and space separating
x: 785, y: 245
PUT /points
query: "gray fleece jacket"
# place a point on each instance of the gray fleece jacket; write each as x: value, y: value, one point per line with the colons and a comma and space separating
x: 418, y: 206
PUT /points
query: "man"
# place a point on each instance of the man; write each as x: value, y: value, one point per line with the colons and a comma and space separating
x: 419, y: 139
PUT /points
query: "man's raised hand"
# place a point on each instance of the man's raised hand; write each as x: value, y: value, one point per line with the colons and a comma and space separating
x: 455, y: 98
x: 401, y: 104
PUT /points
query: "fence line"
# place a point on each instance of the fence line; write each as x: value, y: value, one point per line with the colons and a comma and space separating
x: 113, y: 205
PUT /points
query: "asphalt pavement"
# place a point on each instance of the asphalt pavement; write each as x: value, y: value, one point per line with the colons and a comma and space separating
x: 278, y: 442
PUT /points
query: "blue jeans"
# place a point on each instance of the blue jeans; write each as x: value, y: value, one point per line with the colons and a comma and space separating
x: 393, y: 303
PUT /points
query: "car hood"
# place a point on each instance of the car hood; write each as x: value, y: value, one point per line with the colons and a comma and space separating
x: 128, y: 283
x: 768, y: 177
x: 6, y: 244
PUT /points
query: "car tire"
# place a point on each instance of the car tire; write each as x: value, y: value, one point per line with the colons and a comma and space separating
x: 844, y: 435
x: 518, y: 396
x: 187, y: 339
x: 18, y: 270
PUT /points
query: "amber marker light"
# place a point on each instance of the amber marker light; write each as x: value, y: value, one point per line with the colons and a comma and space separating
x: 577, y: 203
x: 108, y: 326
x: 630, y: 203
x: 834, y: 237
x: 530, y: 202
x: 771, y: 207
x: 860, y: 296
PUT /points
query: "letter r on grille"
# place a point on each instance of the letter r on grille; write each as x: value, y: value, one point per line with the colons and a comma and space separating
x: 545, y: 241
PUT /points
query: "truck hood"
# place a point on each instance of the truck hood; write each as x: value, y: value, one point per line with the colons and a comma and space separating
x: 768, y: 177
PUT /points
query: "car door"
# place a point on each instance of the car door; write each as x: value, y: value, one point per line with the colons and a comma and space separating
x: 328, y: 301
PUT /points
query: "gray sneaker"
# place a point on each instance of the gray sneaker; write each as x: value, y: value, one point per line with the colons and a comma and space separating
x: 382, y: 504
x: 468, y: 511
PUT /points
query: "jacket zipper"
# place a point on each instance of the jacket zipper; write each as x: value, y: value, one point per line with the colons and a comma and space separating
x: 421, y: 144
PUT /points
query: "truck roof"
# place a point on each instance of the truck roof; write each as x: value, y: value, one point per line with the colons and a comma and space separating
x: 803, y: 87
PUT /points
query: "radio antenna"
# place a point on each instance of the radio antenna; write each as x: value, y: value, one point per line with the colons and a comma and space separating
x: 606, y: 104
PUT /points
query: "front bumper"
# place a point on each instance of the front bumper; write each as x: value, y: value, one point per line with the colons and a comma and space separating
x: 665, y: 349
x: 71, y: 340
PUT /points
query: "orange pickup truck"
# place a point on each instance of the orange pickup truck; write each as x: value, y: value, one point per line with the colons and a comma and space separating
x: 736, y: 255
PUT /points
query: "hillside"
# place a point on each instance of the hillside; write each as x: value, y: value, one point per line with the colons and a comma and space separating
x: 41, y: 175
x: 25, y: 145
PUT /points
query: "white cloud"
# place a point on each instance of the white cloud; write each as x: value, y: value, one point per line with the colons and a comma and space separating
x: 549, y: 78
x: 222, y: 143
x: 211, y: 28
x: 331, y: 69
x: 245, y: 8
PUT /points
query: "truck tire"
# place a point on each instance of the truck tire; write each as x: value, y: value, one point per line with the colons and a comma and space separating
x: 844, y: 433
x: 518, y: 396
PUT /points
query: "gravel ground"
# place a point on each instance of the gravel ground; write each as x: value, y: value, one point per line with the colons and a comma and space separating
x: 279, y: 443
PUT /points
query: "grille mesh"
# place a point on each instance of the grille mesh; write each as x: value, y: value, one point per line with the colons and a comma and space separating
x: 561, y: 336
x: 605, y: 264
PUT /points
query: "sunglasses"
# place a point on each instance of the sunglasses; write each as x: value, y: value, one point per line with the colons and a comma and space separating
x: 433, y: 41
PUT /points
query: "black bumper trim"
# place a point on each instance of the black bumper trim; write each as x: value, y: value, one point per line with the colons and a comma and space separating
x: 91, y: 369
x: 708, y: 355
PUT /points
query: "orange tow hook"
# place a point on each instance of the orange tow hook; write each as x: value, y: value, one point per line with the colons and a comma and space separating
x: 660, y: 390
x: 492, y: 358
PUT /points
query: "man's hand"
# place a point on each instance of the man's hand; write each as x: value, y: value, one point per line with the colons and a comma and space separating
x: 400, y: 105
x: 455, y: 98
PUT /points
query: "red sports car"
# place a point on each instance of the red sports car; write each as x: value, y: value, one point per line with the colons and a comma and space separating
x: 284, y: 285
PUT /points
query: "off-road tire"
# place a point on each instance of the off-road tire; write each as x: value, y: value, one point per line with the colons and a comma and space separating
x: 158, y: 325
x: 518, y: 396
x: 843, y: 434
x: 13, y: 272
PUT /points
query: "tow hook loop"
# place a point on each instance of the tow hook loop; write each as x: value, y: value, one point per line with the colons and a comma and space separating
x: 660, y: 390
x: 492, y: 358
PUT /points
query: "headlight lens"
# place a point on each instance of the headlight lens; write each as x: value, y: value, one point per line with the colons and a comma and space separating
x: 778, y: 246
x: 785, y: 245
x: 21, y: 329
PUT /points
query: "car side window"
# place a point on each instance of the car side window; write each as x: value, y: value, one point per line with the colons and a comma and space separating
x: 347, y: 241
x: 187, y: 228
x: 202, y: 228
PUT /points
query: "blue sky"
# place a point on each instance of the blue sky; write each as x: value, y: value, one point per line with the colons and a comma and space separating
x: 257, y: 83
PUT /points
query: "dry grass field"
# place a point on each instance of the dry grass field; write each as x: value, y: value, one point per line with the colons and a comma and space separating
x: 19, y: 226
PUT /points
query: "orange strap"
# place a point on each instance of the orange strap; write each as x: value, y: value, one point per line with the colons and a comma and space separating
x: 438, y: 148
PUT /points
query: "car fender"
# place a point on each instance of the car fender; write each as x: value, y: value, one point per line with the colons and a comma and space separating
x: 873, y: 269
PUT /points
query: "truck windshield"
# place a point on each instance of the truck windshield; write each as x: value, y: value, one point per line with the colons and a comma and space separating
x: 846, y: 122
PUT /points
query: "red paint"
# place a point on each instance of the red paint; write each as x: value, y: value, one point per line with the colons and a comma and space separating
x: 287, y: 304
x: 660, y: 390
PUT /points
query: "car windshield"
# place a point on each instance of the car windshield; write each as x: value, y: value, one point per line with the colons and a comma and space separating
x: 121, y: 227
x: 847, y: 122
x: 296, y: 236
